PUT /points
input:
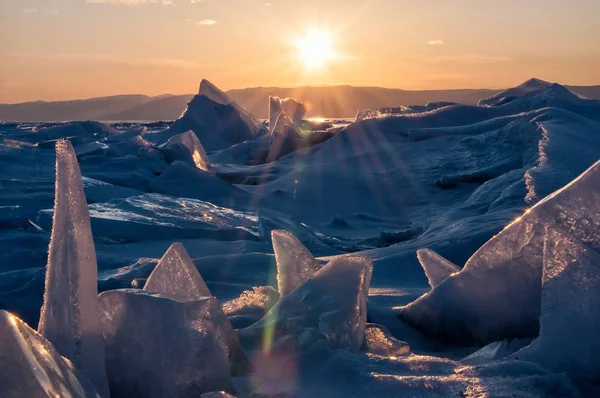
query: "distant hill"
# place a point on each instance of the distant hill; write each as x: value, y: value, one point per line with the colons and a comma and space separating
x: 330, y: 101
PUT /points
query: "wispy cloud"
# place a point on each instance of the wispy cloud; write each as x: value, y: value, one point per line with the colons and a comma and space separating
x: 132, y: 2
x: 436, y: 42
x: 471, y: 58
x: 206, y: 22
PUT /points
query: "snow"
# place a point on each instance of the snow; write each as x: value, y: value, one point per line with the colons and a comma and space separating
x: 380, y: 341
x: 31, y: 367
x: 295, y: 263
x: 157, y: 346
x: 530, y: 86
x: 175, y: 276
x: 570, y: 296
x: 69, y: 317
x: 497, y: 295
x: 187, y: 148
x: 436, y: 267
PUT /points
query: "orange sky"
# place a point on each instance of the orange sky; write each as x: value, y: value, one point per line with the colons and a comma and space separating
x: 67, y: 49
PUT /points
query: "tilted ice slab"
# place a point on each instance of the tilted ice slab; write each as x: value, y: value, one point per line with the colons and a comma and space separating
x: 286, y: 136
x: 330, y: 305
x: 436, y: 267
x: 569, y: 323
x: 491, y: 352
x: 497, y: 295
x: 160, y: 347
x: 379, y: 341
x: 187, y: 148
x: 214, y: 93
x: 295, y: 109
x: 295, y: 263
x: 69, y: 317
x: 31, y: 367
x: 175, y: 276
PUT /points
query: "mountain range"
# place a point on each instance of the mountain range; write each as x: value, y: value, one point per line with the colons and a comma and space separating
x: 326, y: 101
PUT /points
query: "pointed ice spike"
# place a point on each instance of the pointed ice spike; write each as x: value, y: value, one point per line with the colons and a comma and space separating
x: 31, y: 367
x: 295, y: 263
x: 214, y: 93
x: 175, y: 276
x: 275, y: 110
x: 69, y: 317
x: 285, y: 138
x: 569, y: 321
x: 436, y: 267
x: 187, y: 147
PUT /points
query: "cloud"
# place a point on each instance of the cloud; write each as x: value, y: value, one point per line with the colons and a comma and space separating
x: 471, y: 58
x: 436, y: 42
x: 268, y: 4
x: 132, y: 2
x: 206, y: 22
x: 196, y: 1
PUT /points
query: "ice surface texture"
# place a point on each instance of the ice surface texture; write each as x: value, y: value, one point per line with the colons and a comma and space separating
x: 295, y: 109
x: 176, y: 276
x: 436, y: 267
x: 69, y: 317
x: 295, y: 263
x: 186, y: 147
x: 331, y: 304
x: 497, y: 295
x: 569, y: 322
x: 286, y: 136
x: 31, y: 367
x: 379, y: 341
x: 160, y: 347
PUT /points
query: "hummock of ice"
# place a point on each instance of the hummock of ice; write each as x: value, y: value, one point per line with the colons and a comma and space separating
x: 330, y: 305
x: 160, y: 347
x: 69, y: 317
x: 214, y: 93
x: 175, y: 276
x: 295, y: 263
x: 187, y: 148
x: 497, y: 295
x: 436, y: 267
x: 379, y: 341
x: 569, y: 323
x: 528, y: 87
x: 31, y: 367
x: 286, y: 136
x: 295, y: 109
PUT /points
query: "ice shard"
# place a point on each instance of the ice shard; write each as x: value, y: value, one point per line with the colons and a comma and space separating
x: 491, y: 352
x: 436, y: 267
x: 295, y: 263
x: 31, y: 367
x: 332, y: 305
x: 569, y: 322
x: 285, y: 138
x: 214, y: 93
x: 177, y: 277
x: 379, y: 341
x: 186, y: 147
x: 161, y: 347
x: 69, y: 317
x: 296, y: 110
x: 497, y: 294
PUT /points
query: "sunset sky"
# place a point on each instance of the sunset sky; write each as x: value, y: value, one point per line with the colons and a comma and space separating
x: 68, y: 49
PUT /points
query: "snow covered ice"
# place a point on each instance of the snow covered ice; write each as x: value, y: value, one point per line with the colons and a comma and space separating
x: 31, y: 367
x: 421, y: 250
x: 69, y: 317
x: 157, y: 346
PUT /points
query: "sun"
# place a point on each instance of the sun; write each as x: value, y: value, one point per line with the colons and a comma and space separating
x: 315, y: 49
